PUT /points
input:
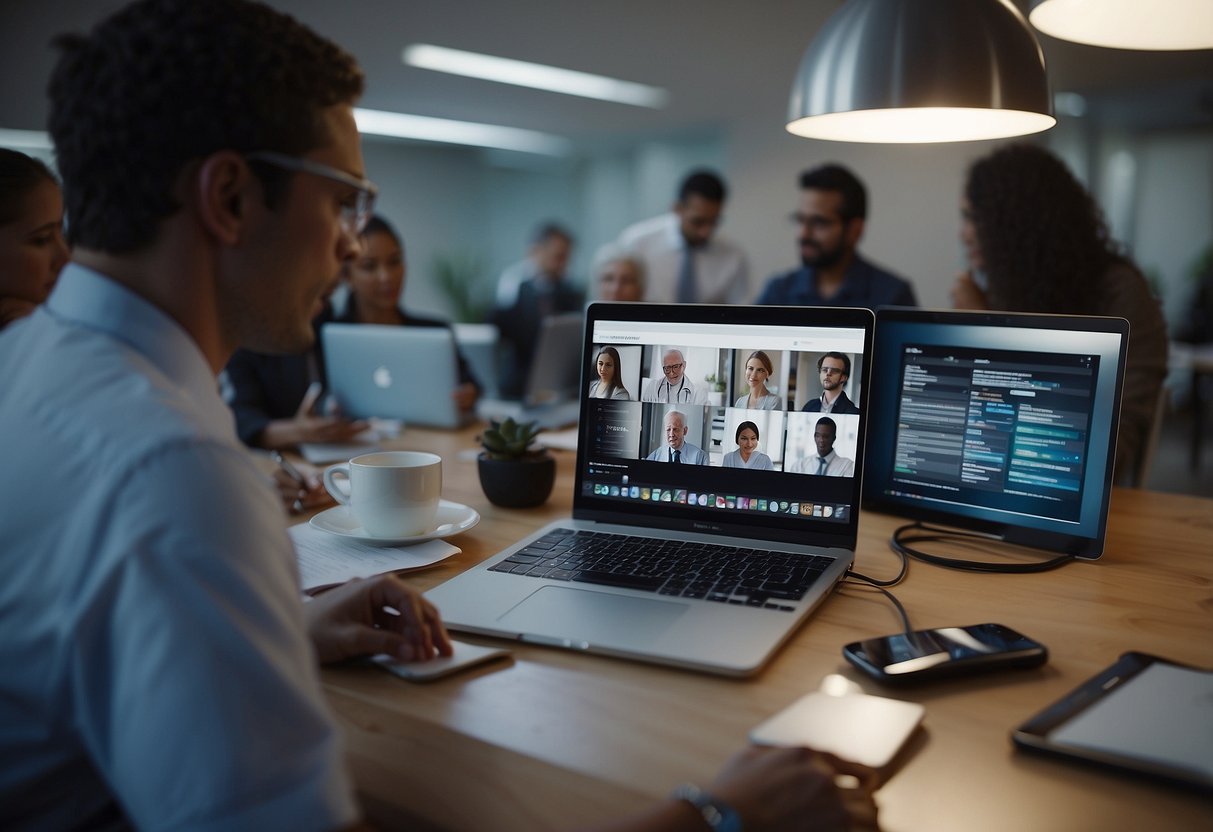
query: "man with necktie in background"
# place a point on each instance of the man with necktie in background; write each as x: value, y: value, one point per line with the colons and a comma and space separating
x: 685, y: 260
x: 826, y: 462
x: 677, y: 448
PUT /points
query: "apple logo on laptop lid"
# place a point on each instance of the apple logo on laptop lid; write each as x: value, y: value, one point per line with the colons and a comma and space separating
x: 382, y: 377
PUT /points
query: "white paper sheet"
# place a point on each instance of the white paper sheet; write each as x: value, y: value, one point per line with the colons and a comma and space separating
x: 326, y: 559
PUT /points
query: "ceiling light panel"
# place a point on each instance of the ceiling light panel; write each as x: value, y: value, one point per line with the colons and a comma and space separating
x: 535, y: 76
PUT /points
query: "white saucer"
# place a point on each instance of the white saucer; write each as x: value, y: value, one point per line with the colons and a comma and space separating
x: 453, y: 518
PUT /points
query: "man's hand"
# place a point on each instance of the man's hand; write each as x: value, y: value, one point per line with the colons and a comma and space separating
x: 307, y: 425
x: 787, y: 788
x: 300, y: 498
x: 465, y: 395
x: 354, y: 620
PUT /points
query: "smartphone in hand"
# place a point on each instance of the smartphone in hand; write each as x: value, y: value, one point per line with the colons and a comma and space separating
x: 944, y: 651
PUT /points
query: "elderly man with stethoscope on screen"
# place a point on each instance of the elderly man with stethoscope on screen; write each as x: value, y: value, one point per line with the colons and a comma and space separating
x: 674, y: 387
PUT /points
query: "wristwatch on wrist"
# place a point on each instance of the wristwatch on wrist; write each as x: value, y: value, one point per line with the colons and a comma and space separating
x: 719, y: 816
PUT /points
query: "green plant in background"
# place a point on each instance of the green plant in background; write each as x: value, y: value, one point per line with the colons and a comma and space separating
x: 510, y: 440
x: 717, y: 383
x: 458, y: 276
x: 1202, y: 265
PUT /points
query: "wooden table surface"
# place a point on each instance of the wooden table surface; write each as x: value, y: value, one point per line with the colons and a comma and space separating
x: 556, y: 739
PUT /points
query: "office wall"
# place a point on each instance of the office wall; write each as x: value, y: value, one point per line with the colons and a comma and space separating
x: 1173, y: 222
x: 431, y: 194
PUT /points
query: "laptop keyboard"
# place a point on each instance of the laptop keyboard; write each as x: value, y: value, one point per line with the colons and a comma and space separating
x: 727, y: 574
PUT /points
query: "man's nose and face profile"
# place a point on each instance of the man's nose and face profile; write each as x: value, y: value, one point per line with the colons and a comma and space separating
x: 821, y: 230
x: 675, y: 430
x: 823, y: 436
x: 833, y: 373
x: 698, y: 217
x: 673, y: 365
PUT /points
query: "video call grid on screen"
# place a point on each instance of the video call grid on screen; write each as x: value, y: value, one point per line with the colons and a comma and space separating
x: 627, y: 445
x: 1010, y: 424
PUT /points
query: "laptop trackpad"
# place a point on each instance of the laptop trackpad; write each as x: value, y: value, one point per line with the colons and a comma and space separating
x: 594, y: 617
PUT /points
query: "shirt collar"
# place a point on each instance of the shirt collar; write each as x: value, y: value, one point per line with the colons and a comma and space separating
x: 91, y: 300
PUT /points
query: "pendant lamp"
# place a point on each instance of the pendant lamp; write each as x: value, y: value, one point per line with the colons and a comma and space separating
x: 919, y: 71
x: 1128, y: 24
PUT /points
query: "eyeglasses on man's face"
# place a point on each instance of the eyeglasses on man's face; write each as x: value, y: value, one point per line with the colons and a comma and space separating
x: 672, y: 368
x: 814, y: 223
x: 355, y: 212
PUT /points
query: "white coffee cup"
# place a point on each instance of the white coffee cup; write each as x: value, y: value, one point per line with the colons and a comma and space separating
x: 392, y: 493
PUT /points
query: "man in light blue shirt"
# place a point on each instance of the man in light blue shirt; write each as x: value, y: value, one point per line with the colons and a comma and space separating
x: 159, y: 668
x: 160, y: 671
x: 677, y: 448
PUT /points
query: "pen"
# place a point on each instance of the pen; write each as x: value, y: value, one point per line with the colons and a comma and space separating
x: 291, y: 470
x: 293, y: 473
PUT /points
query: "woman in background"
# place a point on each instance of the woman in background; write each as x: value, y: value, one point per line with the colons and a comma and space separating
x: 757, y: 370
x: 32, y: 249
x: 608, y: 384
x: 1037, y: 242
x: 747, y: 454
x: 376, y: 280
x: 618, y: 275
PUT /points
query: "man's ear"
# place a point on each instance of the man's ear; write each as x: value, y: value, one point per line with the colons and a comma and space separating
x: 224, y: 184
x: 854, y: 231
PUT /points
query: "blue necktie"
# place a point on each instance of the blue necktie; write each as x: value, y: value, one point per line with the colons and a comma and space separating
x: 687, y: 292
x: 822, y: 465
x: 677, y: 456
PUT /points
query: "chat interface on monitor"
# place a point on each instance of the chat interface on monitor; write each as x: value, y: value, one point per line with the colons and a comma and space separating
x: 1004, y: 428
x: 725, y: 418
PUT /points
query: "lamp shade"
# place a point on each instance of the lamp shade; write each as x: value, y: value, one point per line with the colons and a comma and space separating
x: 1128, y: 24
x: 922, y: 71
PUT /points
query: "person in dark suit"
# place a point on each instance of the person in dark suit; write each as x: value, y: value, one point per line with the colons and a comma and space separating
x: 834, y: 369
x: 547, y: 292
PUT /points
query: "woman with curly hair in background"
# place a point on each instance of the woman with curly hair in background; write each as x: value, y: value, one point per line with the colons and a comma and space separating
x: 1036, y: 242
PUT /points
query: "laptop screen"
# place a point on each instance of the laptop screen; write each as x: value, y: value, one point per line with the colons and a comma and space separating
x: 709, y: 418
x: 997, y: 422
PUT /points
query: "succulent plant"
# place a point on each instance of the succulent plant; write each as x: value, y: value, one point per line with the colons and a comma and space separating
x: 508, y: 439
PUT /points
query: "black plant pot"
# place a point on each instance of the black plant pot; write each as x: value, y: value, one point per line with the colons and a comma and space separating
x: 517, y: 483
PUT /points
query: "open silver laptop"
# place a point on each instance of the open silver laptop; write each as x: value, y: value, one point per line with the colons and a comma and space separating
x: 393, y: 372
x: 694, y: 563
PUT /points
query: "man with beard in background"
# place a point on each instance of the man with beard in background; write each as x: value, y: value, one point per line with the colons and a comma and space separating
x: 830, y: 221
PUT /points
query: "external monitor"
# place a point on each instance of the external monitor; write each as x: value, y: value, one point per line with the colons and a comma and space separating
x: 997, y: 423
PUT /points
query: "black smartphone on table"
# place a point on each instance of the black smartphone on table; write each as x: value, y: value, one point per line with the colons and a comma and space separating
x: 920, y: 655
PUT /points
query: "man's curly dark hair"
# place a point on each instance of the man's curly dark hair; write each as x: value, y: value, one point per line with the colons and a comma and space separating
x: 1043, y: 239
x: 163, y: 83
